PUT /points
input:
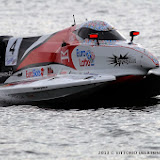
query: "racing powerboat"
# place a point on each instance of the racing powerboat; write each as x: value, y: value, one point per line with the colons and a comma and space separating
x: 92, y: 58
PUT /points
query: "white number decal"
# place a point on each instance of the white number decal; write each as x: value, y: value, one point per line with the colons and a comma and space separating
x: 12, y: 51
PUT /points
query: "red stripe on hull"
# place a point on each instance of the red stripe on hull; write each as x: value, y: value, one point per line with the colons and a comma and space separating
x: 52, y: 51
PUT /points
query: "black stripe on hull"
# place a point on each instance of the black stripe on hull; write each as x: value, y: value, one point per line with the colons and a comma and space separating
x: 26, y: 43
x: 24, y: 47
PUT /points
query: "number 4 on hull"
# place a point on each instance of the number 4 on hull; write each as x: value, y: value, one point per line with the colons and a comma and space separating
x: 12, y: 51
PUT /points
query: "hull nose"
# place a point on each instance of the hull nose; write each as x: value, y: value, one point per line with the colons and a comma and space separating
x: 149, y: 61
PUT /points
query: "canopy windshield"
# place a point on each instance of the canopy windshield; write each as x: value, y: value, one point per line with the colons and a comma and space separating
x: 102, y: 35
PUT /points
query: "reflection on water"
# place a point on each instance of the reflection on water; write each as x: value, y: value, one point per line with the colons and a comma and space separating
x: 132, y: 104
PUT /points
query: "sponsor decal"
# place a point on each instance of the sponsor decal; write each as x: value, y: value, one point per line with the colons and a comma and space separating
x: 10, y: 61
x: 50, y: 71
x: 35, y: 73
x: 65, y: 55
x: 86, y: 58
x: 6, y: 74
x: 40, y: 88
x: 42, y: 71
x: 121, y: 60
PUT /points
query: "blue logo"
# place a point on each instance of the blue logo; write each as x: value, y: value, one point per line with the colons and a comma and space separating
x: 86, y: 58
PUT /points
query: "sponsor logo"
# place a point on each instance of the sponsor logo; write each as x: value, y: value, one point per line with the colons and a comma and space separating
x: 11, y: 61
x: 35, y: 73
x: 65, y: 55
x: 50, y: 71
x: 86, y: 58
x: 40, y: 88
x: 5, y: 74
x: 42, y: 71
x: 121, y: 60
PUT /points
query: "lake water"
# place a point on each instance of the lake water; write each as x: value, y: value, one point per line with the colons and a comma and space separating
x: 114, y: 132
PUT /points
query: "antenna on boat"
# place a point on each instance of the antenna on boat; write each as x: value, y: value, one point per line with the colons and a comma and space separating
x: 74, y: 21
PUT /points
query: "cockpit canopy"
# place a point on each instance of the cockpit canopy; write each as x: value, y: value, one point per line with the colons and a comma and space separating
x: 104, y: 30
